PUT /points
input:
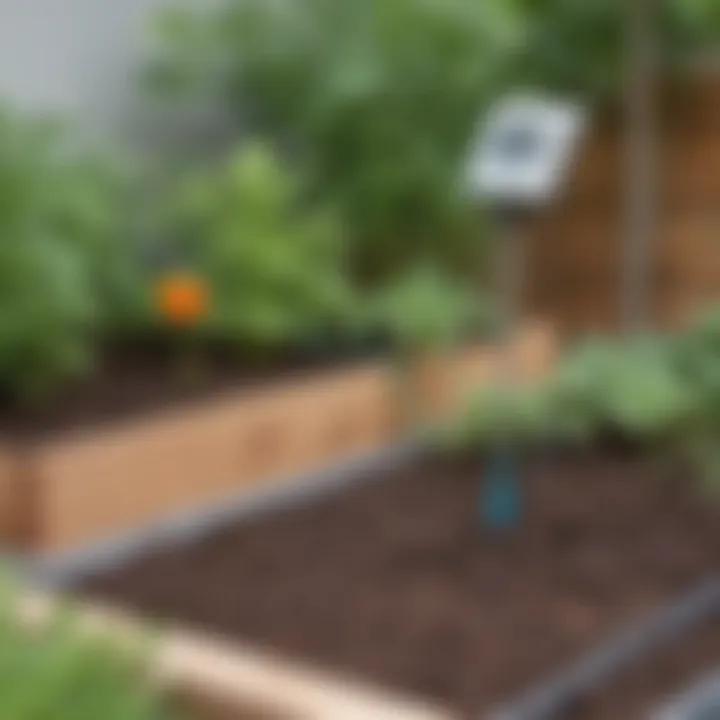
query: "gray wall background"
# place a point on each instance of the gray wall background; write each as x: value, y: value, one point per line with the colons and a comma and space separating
x: 77, y: 57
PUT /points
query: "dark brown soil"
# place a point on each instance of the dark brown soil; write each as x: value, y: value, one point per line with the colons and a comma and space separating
x: 396, y: 583
x: 643, y: 689
x: 142, y: 378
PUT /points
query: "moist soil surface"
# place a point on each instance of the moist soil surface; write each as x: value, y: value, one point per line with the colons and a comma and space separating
x: 647, y: 687
x: 138, y: 379
x: 397, y: 583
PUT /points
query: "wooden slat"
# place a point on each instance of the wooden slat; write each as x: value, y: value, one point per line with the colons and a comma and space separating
x: 77, y: 489
x: 576, y: 247
x: 8, y: 497
x: 110, y: 481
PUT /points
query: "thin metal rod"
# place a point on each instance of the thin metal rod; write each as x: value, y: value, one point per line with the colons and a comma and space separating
x: 641, y: 164
x: 509, y: 278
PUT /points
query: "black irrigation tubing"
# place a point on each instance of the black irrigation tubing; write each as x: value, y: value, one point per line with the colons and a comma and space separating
x: 63, y: 570
x: 552, y: 699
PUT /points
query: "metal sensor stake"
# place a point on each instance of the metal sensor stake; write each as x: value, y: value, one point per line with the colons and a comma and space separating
x: 519, y: 162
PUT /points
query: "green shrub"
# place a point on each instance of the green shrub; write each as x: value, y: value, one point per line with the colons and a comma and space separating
x: 504, y: 415
x: 697, y: 354
x: 57, y: 672
x: 379, y: 99
x: 626, y: 389
x: 275, y: 268
x: 579, y: 46
x: 59, y: 253
x: 425, y: 310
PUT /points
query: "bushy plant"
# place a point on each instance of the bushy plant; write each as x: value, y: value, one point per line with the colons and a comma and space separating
x: 627, y: 388
x: 59, y: 253
x: 274, y: 267
x: 379, y: 99
x: 56, y: 671
x: 580, y: 46
x: 504, y: 415
x: 425, y: 310
x: 603, y: 388
x: 696, y: 352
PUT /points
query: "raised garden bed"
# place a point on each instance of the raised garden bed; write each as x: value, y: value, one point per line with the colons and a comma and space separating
x: 66, y: 480
x: 395, y: 583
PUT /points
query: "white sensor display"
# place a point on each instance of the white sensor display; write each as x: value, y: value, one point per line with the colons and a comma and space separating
x: 524, y: 150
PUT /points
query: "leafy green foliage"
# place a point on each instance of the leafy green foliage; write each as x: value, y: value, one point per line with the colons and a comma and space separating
x: 605, y: 388
x: 274, y: 269
x: 626, y: 388
x: 696, y: 353
x: 581, y: 45
x: 662, y: 393
x: 425, y: 310
x: 56, y: 671
x: 58, y: 243
x: 503, y: 414
x: 379, y: 99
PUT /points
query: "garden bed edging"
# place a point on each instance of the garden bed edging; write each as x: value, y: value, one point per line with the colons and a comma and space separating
x: 61, y: 493
x: 220, y: 680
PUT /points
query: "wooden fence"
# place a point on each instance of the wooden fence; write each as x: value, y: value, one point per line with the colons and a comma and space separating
x: 575, y: 250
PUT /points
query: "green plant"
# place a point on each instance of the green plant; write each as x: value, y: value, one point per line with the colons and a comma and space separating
x: 378, y: 98
x: 425, y: 310
x: 273, y: 266
x: 628, y: 388
x: 665, y: 393
x: 601, y: 388
x: 580, y: 46
x: 696, y: 353
x: 59, y: 254
x: 503, y: 415
x: 56, y: 671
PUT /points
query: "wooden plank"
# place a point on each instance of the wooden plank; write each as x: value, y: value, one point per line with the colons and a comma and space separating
x: 534, y: 351
x: 8, y: 497
x: 98, y: 484
x: 576, y: 259
x: 94, y: 485
x: 689, y: 247
x: 246, y: 677
x: 18, y: 496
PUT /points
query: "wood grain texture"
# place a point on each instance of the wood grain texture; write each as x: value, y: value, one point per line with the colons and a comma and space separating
x: 8, y: 486
x: 576, y: 246
x: 104, y: 483
x: 19, y: 485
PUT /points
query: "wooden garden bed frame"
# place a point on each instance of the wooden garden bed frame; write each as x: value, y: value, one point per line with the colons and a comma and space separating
x: 58, y: 494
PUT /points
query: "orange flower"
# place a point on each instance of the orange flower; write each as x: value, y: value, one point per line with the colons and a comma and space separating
x: 182, y: 298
